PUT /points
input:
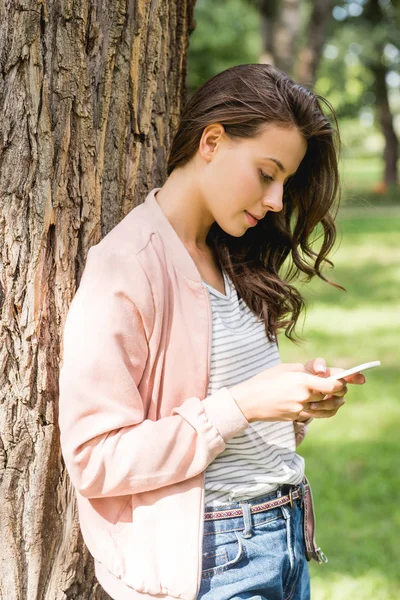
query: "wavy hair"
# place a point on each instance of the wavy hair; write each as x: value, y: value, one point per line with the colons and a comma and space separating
x: 267, y: 259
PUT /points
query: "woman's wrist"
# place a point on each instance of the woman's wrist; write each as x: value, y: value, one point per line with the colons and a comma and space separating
x: 237, y: 393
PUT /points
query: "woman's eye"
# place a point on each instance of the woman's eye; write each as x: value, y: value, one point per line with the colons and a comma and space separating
x: 266, y: 177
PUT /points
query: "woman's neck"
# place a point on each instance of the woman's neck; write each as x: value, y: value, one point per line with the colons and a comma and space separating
x: 182, y: 203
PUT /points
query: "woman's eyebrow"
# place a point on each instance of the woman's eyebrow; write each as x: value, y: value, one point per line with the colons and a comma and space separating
x: 276, y: 161
x: 280, y: 166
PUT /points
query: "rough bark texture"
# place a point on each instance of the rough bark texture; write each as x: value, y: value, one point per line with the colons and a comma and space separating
x: 90, y: 92
x: 310, y: 54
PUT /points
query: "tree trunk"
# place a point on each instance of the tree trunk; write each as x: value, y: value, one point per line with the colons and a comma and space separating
x: 89, y: 94
x: 391, y: 152
x: 310, y: 54
x: 376, y: 17
x: 280, y: 23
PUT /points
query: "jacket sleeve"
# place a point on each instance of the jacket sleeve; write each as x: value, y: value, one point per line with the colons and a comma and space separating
x: 108, y: 445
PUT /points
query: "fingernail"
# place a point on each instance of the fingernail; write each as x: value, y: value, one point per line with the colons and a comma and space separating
x: 320, y: 369
x: 314, y: 405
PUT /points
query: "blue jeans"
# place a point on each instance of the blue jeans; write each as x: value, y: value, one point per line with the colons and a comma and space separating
x: 257, y: 556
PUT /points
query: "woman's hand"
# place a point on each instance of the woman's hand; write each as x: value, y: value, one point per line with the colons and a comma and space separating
x: 317, y: 366
x: 283, y: 393
x: 329, y: 406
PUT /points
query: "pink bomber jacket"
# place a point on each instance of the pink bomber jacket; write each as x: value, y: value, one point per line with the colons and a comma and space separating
x: 137, y: 430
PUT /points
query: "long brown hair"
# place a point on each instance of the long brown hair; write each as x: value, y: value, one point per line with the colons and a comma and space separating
x: 244, y: 99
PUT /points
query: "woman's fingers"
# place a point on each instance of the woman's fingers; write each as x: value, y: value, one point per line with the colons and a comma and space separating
x: 322, y: 385
x: 316, y: 366
x: 356, y: 379
x: 341, y: 392
x: 328, y: 404
x: 326, y: 409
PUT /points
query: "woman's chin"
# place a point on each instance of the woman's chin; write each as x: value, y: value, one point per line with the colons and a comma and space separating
x: 233, y: 229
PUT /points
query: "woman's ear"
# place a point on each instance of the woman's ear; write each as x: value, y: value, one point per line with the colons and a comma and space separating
x: 211, y: 139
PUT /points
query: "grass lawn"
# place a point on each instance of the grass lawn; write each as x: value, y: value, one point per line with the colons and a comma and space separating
x: 359, y: 179
x: 353, y: 459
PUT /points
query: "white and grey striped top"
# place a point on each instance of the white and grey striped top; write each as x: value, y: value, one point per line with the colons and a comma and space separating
x: 263, y: 457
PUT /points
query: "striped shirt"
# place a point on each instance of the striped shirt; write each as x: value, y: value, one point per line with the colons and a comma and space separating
x: 262, y: 457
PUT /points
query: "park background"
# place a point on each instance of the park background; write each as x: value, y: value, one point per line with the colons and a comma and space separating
x: 90, y: 97
x: 350, y: 53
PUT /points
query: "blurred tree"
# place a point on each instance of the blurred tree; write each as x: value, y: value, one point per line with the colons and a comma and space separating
x: 367, y: 35
x: 383, y: 26
x: 314, y: 40
x: 280, y: 22
x: 342, y: 75
x: 288, y: 25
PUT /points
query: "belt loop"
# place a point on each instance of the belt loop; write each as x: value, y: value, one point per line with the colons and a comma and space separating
x: 247, y: 533
x: 284, y: 509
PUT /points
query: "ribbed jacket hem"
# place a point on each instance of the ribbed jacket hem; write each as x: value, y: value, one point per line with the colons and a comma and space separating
x: 118, y: 590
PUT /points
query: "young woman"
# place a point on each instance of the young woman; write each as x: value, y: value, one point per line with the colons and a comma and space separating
x: 178, y: 421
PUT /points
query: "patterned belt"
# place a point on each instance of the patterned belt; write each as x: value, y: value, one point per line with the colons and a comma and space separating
x: 294, y: 494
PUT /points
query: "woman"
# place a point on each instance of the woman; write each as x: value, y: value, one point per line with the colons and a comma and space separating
x: 178, y: 422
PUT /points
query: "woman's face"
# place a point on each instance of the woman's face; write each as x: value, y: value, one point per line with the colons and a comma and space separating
x: 243, y: 179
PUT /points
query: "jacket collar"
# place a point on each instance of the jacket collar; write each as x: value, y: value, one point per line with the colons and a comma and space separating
x: 178, y: 252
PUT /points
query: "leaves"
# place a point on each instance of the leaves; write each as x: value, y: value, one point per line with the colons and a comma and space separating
x: 227, y: 33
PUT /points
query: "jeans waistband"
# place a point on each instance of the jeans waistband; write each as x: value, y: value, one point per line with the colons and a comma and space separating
x: 246, y: 514
x: 285, y: 495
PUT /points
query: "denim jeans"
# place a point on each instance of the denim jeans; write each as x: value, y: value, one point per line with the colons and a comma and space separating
x: 257, y: 556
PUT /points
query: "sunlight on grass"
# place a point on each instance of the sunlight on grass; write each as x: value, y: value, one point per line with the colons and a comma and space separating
x: 364, y: 248
x: 360, y: 173
x: 342, y: 321
x: 371, y: 585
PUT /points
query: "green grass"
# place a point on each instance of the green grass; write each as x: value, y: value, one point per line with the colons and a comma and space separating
x: 361, y: 173
x: 353, y: 459
x: 359, y: 177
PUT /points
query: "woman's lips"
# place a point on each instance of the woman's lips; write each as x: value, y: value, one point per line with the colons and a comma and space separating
x: 251, y: 219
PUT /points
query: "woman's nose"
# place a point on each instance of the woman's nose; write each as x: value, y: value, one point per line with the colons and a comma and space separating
x: 273, y: 199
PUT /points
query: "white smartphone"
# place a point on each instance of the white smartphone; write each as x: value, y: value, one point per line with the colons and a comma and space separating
x: 357, y: 369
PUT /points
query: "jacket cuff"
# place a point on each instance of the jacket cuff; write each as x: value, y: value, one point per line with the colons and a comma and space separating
x: 223, y: 412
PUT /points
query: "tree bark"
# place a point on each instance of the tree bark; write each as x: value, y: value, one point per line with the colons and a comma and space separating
x: 90, y: 93
x: 310, y: 54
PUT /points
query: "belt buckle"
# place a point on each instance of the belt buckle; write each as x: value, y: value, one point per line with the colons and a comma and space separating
x: 291, y: 498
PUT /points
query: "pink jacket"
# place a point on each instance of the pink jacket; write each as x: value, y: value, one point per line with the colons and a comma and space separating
x: 137, y: 431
